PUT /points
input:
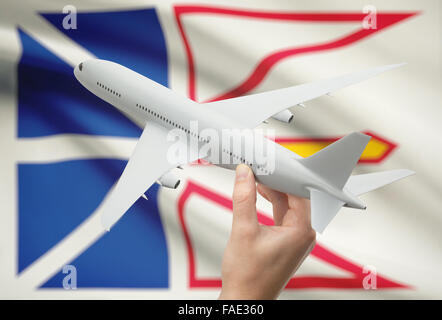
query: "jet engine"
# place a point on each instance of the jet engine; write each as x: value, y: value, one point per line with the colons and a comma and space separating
x: 284, y: 116
x: 169, y: 180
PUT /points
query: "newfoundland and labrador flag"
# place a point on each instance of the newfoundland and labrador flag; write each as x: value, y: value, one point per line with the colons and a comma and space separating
x: 62, y: 148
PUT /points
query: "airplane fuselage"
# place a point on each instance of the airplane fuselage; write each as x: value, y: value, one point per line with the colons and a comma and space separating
x: 144, y: 100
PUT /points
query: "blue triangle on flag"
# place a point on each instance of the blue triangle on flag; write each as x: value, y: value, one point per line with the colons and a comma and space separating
x: 55, y: 198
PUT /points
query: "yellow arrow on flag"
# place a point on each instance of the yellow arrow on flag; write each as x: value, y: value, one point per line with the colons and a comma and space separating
x: 376, y: 150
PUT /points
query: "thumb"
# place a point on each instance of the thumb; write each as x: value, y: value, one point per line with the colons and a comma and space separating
x: 244, y: 197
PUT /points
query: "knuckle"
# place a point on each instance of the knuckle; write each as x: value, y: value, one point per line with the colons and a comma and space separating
x: 245, y: 230
x: 311, y: 235
x: 299, y: 204
x: 309, y: 238
x: 305, y: 234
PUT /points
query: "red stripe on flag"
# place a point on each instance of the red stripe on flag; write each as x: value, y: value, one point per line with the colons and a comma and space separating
x: 384, y: 20
x: 355, y: 281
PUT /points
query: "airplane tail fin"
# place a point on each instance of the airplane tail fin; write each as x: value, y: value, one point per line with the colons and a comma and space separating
x: 336, y: 162
x: 324, y: 207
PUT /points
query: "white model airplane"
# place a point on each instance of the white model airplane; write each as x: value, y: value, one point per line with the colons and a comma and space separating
x: 323, y: 177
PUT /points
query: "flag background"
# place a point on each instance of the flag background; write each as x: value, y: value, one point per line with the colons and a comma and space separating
x: 62, y: 148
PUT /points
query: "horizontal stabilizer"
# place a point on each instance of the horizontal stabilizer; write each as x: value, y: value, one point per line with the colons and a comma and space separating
x: 360, y: 184
x: 324, y: 208
x: 336, y: 162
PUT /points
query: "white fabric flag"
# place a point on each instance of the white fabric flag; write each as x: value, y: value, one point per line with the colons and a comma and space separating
x: 216, y: 50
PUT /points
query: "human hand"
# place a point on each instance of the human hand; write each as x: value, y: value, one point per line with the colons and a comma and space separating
x: 259, y: 260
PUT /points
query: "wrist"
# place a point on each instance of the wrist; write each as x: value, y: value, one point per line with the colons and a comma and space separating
x: 238, y: 294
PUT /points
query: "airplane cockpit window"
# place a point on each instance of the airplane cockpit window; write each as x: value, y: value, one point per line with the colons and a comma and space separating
x: 80, y: 66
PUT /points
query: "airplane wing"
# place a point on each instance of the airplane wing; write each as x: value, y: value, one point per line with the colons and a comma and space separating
x: 148, y: 162
x: 254, y: 109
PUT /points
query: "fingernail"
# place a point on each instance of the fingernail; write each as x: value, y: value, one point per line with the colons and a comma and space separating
x: 242, y: 171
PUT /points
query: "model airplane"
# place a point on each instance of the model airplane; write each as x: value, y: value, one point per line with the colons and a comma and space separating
x: 324, y: 177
